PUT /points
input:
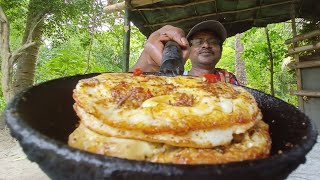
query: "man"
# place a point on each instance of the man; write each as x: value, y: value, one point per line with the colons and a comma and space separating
x: 203, y: 45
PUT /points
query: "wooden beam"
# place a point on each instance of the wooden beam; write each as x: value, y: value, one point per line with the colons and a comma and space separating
x: 304, y: 64
x: 114, y: 7
x: 311, y: 47
x: 220, y: 13
x: 174, y: 6
x: 137, y: 3
x: 307, y: 93
x: 122, y: 5
x: 303, y: 36
x: 313, y: 57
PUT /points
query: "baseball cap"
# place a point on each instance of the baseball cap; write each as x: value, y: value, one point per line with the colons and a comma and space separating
x: 210, y: 25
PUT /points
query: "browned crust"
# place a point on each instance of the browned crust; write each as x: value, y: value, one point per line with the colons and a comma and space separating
x: 223, y: 154
x: 130, y: 94
x: 180, y: 140
x: 254, y: 144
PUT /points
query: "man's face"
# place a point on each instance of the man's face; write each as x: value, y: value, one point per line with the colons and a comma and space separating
x: 205, y: 49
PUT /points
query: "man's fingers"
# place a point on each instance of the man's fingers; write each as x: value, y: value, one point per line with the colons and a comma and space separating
x: 157, y: 40
x: 168, y: 33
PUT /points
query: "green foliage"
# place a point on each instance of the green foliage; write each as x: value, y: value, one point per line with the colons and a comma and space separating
x: 63, y: 62
x: 227, y: 60
x: 70, y: 40
x: 75, y: 29
x: 256, y: 57
x: 70, y: 57
x: 137, y: 41
x: 101, y: 36
x: 16, y: 12
x: 286, y: 81
x: 69, y: 17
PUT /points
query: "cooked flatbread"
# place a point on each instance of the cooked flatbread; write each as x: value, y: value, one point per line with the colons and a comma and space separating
x: 180, y: 119
x: 181, y: 111
x: 253, y: 144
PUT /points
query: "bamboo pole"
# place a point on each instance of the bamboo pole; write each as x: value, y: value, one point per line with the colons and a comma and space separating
x: 114, y: 7
x: 136, y: 3
x: 296, y: 50
x: 304, y: 64
x: 303, y: 36
x: 126, y: 42
x: 307, y: 93
x: 122, y: 5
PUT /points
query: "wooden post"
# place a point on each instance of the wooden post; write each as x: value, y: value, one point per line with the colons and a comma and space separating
x: 296, y: 57
x: 126, y: 42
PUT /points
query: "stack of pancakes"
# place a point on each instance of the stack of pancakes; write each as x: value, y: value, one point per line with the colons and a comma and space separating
x: 182, y: 119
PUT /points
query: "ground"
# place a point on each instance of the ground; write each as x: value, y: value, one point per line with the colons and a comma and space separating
x: 14, y: 164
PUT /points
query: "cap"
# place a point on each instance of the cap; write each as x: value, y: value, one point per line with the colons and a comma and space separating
x: 210, y: 25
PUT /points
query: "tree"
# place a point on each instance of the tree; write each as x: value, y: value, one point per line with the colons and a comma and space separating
x: 257, y: 57
x: 240, y: 64
x: 25, y: 57
x: 9, y: 58
x: 271, y: 65
x: 228, y: 53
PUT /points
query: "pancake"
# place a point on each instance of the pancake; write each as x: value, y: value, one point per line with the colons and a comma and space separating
x: 162, y: 108
x: 253, y: 144
x: 160, y: 113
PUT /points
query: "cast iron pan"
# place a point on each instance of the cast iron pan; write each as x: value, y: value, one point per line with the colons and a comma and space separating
x: 42, y: 117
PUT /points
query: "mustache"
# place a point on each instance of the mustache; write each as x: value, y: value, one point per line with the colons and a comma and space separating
x: 206, y: 50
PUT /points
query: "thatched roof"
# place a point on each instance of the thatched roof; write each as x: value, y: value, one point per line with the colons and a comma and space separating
x: 237, y: 15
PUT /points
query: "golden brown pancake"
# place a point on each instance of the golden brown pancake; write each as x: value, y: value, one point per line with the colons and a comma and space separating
x: 183, y: 113
x: 253, y: 144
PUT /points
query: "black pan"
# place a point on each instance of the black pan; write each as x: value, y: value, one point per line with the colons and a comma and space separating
x: 42, y: 117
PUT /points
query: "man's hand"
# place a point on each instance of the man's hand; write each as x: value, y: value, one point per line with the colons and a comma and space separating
x: 151, y: 56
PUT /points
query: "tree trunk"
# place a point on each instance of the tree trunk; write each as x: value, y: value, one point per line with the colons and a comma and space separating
x: 9, y: 58
x: 6, y: 67
x: 271, y: 63
x: 240, y: 64
x: 26, y: 63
